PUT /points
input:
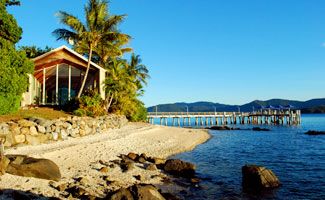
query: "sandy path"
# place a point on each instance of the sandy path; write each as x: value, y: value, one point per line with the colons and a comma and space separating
x: 78, y: 157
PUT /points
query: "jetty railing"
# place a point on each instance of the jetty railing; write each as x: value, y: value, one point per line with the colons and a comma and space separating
x: 290, y: 117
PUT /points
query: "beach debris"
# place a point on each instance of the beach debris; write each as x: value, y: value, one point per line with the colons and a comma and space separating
x: 179, y: 168
x: 22, y: 165
x: 313, y: 132
x: 258, y: 177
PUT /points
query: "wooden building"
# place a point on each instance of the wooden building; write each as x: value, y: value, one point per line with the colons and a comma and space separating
x: 58, y: 76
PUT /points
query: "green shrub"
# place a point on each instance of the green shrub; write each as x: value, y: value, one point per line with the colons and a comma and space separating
x: 89, y: 104
x: 14, y: 65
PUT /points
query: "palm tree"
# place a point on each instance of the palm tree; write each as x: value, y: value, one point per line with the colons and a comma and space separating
x: 118, y: 82
x: 99, y: 27
x: 138, y: 71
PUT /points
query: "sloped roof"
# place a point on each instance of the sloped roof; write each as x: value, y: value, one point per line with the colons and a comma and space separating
x: 74, y: 53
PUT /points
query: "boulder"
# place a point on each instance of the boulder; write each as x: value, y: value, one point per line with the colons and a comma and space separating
x: 312, y: 132
x: 20, y: 138
x: 179, y: 167
x: 146, y: 192
x: 25, y: 123
x: 21, y: 165
x: 41, y: 129
x: 121, y: 194
x: 33, y: 130
x: 258, y: 177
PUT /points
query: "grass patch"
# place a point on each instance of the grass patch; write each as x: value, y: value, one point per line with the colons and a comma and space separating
x: 46, y: 113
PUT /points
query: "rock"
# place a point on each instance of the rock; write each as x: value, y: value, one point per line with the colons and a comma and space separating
x: 62, y: 187
x: 138, y: 177
x: 222, y: 128
x: 104, y: 170
x: 4, y: 162
x: 141, y: 159
x: 121, y: 194
x: 132, y: 156
x: 151, y: 167
x: 41, y: 129
x: 83, y: 181
x: 33, y: 131
x: 33, y: 140
x: 195, y: 180
x: 19, y: 139
x: 156, y: 161
x: 179, y: 167
x: 24, y: 130
x: 55, y: 136
x: 63, y: 135
x: 258, y: 177
x: 25, y: 123
x: 33, y: 167
x: 143, y: 155
x: 312, y: 132
x: 127, y: 166
x: 260, y: 129
x: 146, y: 192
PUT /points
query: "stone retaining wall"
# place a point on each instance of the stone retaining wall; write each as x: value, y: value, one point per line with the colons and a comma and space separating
x: 37, y: 130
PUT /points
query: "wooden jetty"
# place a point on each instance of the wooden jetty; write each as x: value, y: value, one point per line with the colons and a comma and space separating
x: 292, y: 117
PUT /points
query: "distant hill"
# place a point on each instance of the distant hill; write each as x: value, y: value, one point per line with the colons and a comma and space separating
x: 310, y: 106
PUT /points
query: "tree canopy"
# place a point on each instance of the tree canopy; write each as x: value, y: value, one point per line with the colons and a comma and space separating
x: 14, y: 65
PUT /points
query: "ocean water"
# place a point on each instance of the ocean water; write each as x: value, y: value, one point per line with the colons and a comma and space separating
x: 297, y: 159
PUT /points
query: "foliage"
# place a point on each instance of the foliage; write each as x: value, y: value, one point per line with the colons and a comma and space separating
x: 14, y: 65
x: 99, y: 27
x: 100, y: 40
x: 33, y: 51
x: 123, y: 83
x: 90, y: 104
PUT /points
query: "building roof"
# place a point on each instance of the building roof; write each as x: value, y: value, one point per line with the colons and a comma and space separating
x: 62, y: 48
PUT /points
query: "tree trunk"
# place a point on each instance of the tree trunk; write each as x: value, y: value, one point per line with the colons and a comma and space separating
x: 86, y: 74
x: 110, y: 101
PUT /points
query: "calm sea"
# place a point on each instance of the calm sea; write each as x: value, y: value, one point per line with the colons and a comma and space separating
x: 297, y: 159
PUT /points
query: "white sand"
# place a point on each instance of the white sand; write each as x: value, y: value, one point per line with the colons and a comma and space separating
x: 78, y: 157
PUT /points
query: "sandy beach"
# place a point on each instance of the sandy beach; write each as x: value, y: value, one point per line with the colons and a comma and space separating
x: 79, y: 157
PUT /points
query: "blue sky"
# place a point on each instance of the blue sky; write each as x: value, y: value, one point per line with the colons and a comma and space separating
x: 230, y: 51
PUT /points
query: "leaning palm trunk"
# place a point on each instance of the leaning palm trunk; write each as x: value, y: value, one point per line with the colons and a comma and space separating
x: 86, y: 74
x: 109, y: 102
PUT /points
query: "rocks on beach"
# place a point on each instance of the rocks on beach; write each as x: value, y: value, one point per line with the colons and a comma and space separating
x: 260, y: 129
x: 312, y: 132
x: 256, y: 178
x: 21, y: 165
x: 34, y: 131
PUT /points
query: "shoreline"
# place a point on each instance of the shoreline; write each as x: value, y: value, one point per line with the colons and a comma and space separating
x: 82, y: 157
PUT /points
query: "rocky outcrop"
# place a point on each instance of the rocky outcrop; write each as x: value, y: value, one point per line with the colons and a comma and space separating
x: 21, y: 165
x: 312, y: 132
x: 258, y: 177
x: 179, y: 167
x: 34, y: 131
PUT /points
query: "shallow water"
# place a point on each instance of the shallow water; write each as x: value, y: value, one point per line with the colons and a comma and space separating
x: 297, y: 159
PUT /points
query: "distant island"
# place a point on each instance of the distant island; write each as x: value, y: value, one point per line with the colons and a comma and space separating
x: 310, y: 106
